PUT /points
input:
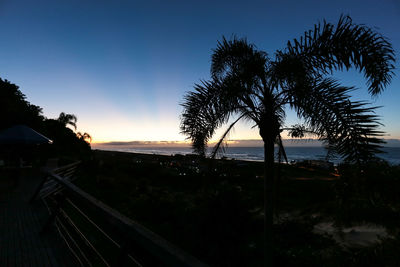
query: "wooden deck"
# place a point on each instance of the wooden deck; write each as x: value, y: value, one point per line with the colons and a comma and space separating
x: 21, y: 243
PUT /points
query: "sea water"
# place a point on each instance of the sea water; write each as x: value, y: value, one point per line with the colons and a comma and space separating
x: 295, y: 153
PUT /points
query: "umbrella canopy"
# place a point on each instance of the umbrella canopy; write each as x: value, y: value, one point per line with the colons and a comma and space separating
x: 22, y: 135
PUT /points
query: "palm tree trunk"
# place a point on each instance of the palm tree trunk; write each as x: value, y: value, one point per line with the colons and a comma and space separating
x: 268, y: 201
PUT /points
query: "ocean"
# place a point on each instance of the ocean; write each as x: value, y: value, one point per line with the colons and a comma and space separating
x: 294, y: 153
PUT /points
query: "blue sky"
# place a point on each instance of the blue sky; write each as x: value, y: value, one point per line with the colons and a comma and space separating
x: 123, y: 66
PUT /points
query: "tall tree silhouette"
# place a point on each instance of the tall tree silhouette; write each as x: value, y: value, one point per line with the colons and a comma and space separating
x: 15, y: 109
x: 247, y: 84
x: 67, y: 119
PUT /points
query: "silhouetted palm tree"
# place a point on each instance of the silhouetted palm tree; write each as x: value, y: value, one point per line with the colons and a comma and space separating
x: 247, y: 84
x: 84, y: 136
x: 66, y: 119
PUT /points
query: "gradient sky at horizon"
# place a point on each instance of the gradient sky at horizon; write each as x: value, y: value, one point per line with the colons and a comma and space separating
x: 123, y: 66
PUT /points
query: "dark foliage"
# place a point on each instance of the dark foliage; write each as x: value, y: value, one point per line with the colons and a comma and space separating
x: 220, y: 222
x: 66, y: 143
x: 15, y: 109
x: 370, y: 193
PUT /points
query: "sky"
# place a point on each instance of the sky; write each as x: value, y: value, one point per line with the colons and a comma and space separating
x: 122, y: 67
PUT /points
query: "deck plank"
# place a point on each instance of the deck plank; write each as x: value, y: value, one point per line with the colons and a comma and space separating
x: 21, y: 243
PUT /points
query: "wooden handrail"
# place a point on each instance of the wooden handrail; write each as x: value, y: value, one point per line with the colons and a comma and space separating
x: 158, y: 247
x: 65, y: 167
x: 69, y: 168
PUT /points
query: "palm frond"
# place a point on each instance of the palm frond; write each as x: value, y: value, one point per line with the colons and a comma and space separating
x: 281, y: 150
x: 66, y: 119
x: 205, y: 110
x: 330, y: 47
x: 238, y: 57
x: 349, y: 126
x: 235, y: 88
x: 299, y: 131
x: 220, y: 144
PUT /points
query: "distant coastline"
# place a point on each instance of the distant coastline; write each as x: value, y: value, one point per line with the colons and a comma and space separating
x: 231, y: 143
x: 294, y: 153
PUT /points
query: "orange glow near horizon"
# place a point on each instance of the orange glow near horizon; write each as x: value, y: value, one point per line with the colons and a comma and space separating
x: 116, y: 126
x: 169, y: 135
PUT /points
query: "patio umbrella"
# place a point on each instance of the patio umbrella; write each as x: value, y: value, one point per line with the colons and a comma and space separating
x: 22, y: 135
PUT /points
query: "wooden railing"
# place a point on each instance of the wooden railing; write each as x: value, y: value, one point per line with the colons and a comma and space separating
x: 98, y: 235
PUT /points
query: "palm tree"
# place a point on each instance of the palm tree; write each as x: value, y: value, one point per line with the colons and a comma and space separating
x: 67, y: 119
x: 246, y: 84
x: 84, y: 136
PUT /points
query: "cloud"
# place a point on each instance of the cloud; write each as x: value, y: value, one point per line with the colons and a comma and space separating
x: 138, y: 144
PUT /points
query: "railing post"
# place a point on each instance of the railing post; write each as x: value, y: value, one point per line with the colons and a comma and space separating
x: 59, y: 198
x: 138, y: 243
x: 37, y: 191
x: 123, y: 253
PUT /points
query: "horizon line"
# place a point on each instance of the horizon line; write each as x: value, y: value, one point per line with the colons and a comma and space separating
x: 392, y: 142
x: 231, y: 140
